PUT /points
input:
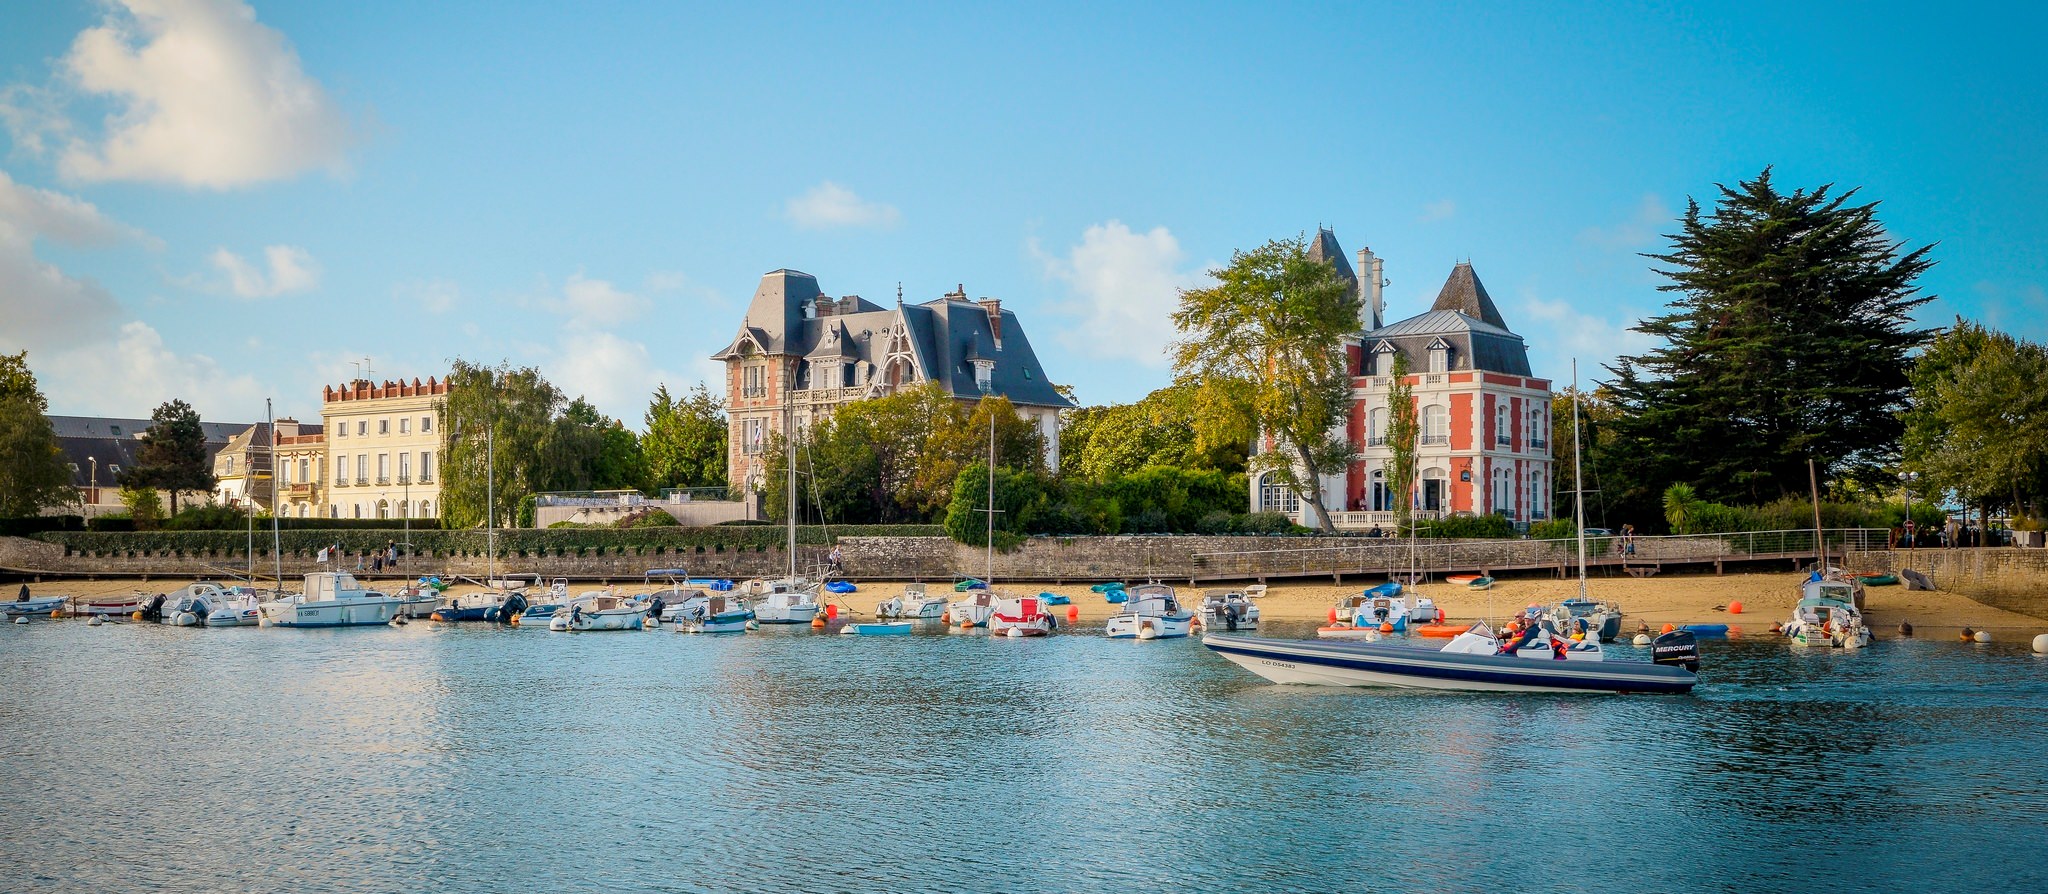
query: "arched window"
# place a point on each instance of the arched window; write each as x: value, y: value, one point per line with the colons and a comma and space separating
x: 426, y: 509
x: 1376, y: 427
x: 1436, y: 425
x: 1504, y: 492
x: 383, y: 509
x: 1277, y: 497
x: 1502, y: 435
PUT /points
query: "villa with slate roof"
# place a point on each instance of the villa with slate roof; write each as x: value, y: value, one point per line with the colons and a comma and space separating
x: 801, y: 353
x: 1485, y: 419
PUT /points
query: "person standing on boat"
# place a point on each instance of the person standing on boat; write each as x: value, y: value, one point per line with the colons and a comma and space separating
x: 23, y: 597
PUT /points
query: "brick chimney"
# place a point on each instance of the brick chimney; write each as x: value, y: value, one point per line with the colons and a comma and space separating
x: 994, y: 307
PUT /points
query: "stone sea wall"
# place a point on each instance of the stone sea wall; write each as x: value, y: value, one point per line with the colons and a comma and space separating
x: 2008, y: 578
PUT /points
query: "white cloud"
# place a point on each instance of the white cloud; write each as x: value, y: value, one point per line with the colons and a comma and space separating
x: 831, y: 205
x: 1127, y: 286
x: 138, y: 371
x: 42, y: 307
x: 203, y: 96
x: 431, y: 295
x: 290, y: 269
x: 1638, y: 232
x: 1560, y: 332
x: 597, y: 304
x: 1441, y: 209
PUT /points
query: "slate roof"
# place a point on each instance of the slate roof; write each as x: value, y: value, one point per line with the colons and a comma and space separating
x: 1463, y: 318
x: 115, y: 443
x: 943, y: 333
x: 1325, y: 248
x: 1464, y: 293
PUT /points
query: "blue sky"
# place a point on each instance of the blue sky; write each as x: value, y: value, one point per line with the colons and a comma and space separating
x: 205, y: 201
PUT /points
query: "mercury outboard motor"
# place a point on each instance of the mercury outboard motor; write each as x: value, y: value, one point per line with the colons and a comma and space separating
x: 654, y: 608
x: 507, y: 610
x: 154, y: 611
x: 1678, y: 647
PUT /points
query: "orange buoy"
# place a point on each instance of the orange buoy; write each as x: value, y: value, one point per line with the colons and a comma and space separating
x: 832, y: 610
x: 818, y: 622
x: 1333, y: 614
x: 135, y: 615
x: 966, y: 624
x: 1439, y: 630
x: 1668, y: 628
x: 1073, y: 613
x: 1386, y: 627
x: 1735, y: 608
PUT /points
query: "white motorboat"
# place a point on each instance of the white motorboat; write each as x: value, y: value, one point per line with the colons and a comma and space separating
x: 34, y: 605
x: 599, y: 610
x: 237, y: 607
x: 112, y: 606
x: 1532, y: 637
x: 1019, y: 616
x: 1471, y: 667
x: 418, y: 601
x: 187, y: 606
x: 1229, y: 610
x: 972, y: 609
x: 1150, y: 611
x: 1603, y: 619
x: 1387, y: 603
x: 789, y: 600
x: 705, y: 612
x: 331, y: 599
x: 913, y: 603
x: 1826, y: 616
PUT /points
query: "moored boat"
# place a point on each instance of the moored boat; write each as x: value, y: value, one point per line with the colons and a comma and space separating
x: 34, y: 605
x: 1228, y: 610
x: 972, y: 611
x: 1317, y: 663
x: 877, y: 628
x: 331, y: 599
x: 1019, y: 616
x: 789, y: 600
x: 712, y: 613
x: 599, y: 610
x: 236, y: 607
x: 1603, y: 618
x: 1152, y: 611
x: 1826, y: 616
x: 913, y: 602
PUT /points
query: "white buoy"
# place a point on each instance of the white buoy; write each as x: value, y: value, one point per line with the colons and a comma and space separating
x: 96, y: 621
x: 20, y: 620
x: 1983, y: 636
x: 1642, y: 639
x: 2041, y: 644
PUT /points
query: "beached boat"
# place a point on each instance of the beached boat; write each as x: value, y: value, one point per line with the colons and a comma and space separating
x: 1051, y: 598
x: 1473, y: 666
x: 419, y: 600
x: 1152, y: 611
x: 484, y: 606
x: 1386, y: 603
x: 1019, y: 616
x: 788, y: 600
x: 1878, y: 579
x: 1228, y: 610
x: 972, y: 611
x: 1827, y: 617
x: 599, y: 610
x: 1602, y: 618
x: 1462, y: 578
x: 913, y: 602
x: 110, y: 605
x: 331, y: 599
x: 1479, y: 583
x: 188, y: 606
x: 878, y: 628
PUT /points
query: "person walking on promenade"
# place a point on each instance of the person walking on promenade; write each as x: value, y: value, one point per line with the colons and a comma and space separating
x: 834, y: 559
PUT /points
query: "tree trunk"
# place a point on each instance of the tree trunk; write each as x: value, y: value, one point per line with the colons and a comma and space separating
x: 1315, y: 493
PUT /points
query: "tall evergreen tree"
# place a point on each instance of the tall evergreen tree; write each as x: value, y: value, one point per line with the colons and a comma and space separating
x: 173, y: 455
x: 1787, y: 340
x: 685, y: 440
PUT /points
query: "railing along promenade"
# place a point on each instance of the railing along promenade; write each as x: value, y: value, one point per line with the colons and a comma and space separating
x: 1435, y: 557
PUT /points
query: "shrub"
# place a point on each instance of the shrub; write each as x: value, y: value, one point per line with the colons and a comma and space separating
x: 648, y: 518
x: 1486, y: 527
x: 209, y: 517
x: 1267, y: 523
x: 1553, y: 529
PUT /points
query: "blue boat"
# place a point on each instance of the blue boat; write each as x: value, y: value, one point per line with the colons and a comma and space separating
x: 1322, y: 663
x: 840, y: 586
x: 1051, y: 598
x: 878, y: 628
x: 1705, y: 629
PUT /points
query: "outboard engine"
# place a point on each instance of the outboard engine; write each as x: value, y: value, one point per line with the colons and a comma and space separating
x: 1678, y: 647
x: 654, y: 608
x: 154, y: 611
x: 513, y: 605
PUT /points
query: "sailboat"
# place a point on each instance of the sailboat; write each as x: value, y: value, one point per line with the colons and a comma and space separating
x: 1539, y: 659
x: 789, y: 599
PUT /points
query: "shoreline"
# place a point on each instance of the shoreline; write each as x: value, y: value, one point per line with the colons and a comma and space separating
x: 1767, y: 598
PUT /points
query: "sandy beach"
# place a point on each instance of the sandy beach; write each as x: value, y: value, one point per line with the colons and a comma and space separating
x: 1699, y: 599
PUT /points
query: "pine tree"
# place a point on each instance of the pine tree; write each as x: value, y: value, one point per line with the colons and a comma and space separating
x: 1788, y: 339
x: 173, y: 456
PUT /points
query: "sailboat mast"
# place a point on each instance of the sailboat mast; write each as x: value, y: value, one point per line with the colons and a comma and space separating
x: 1819, y: 546
x: 1578, y: 482
x: 276, y: 547
x: 988, y: 563
x: 789, y: 444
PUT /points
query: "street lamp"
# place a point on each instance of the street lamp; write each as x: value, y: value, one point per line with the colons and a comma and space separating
x: 95, y: 488
x: 1906, y: 489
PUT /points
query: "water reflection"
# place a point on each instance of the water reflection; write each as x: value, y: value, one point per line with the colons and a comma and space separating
x: 477, y: 759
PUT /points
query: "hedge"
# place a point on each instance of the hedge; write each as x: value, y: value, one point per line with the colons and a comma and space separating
x: 433, y: 542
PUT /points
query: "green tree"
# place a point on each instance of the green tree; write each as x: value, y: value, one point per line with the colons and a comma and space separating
x: 173, y: 455
x: 1404, y: 432
x: 685, y: 444
x: 1788, y: 338
x: 1979, y: 428
x: 1017, y: 492
x: 1156, y: 431
x: 1264, y: 348
x: 502, y: 411
x: 145, y: 507
x: 33, y: 473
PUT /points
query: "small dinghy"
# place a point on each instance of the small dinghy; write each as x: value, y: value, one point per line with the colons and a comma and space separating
x: 1879, y: 579
x: 840, y: 586
x: 1461, y: 578
x: 1050, y: 598
x: 878, y: 628
x: 1351, y: 631
x: 1479, y: 583
x: 41, y: 605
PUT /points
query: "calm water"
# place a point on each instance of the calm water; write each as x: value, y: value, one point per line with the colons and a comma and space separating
x: 472, y: 759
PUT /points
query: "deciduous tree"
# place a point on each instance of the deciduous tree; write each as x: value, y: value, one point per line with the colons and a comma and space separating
x: 33, y: 473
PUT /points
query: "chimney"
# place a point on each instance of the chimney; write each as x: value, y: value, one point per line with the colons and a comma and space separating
x: 1370, y: 279
x: 994, y: 307
x: 287, y: 427
x: 823, y: 308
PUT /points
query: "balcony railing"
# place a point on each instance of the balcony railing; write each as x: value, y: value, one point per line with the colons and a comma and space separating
x: 1503, y: 441
x: 1538, y: 444
x: 751, y: 448
x: 754, y: 392
x: 404, y: 480
x: 341, y: 482
x: 1435, y: 440
x: 383, y: 481
x: 1376, y: 441
x: 362, y: 481
x: 425, y: 478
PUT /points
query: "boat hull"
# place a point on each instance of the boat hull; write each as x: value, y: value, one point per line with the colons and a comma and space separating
x: 1149, y: 626
x: 885, y: 628
x: 340, y: 613
x: 42, y: 606
x: 1308, y: 662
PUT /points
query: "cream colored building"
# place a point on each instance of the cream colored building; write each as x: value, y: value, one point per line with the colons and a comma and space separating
x: 384, y: 448
x: 301, y: 469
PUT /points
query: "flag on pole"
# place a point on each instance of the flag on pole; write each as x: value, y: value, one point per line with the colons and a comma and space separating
x: 323, y: 554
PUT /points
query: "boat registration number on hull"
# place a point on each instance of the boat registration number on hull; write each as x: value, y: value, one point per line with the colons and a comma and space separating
x: 1271, y: 663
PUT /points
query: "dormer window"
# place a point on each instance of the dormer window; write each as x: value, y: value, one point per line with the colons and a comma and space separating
x: 1383, y: 359
x: 1439, y: 356
x: 984, y: 376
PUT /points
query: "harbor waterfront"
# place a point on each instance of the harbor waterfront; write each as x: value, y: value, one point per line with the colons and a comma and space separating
x: 471, y: 758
